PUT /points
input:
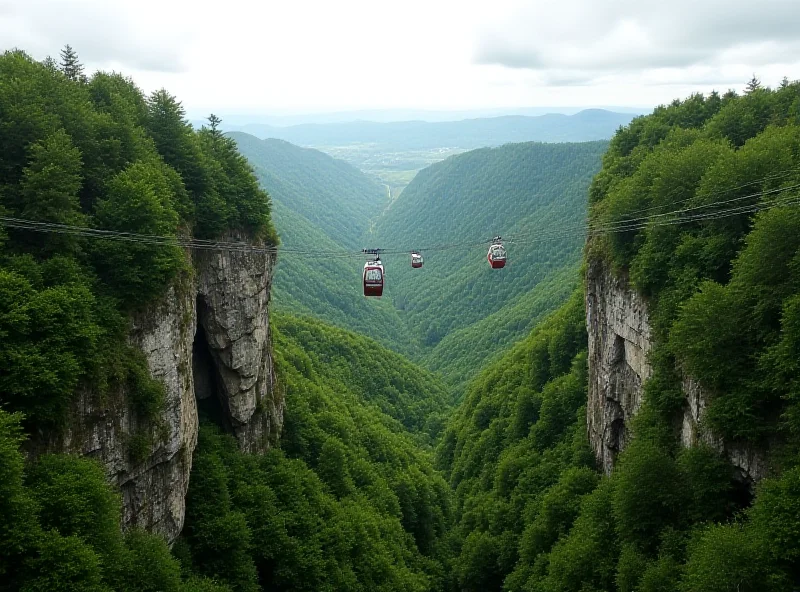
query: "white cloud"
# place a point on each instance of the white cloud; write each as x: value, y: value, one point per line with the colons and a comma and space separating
x: 316, y: 55
x: 106, y: 34
x: 583, y: 40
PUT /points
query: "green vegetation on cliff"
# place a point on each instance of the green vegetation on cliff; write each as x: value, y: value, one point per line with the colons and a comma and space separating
x: 349, y: 502
x: 60, y: 529
x: 530, y: 513
x: 722, y: 290
x: 98, y: 154
x: 93, y: 153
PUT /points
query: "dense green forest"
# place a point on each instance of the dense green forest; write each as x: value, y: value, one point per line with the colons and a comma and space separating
x: 351, y: 501
x: 377, y: 483
x: 454, y: 315
x: 531, y: 512
x: 518, y: 190
x: 327, y: 192
x: 94, y: 153
x: 323, y: 206
x: 456, y: 326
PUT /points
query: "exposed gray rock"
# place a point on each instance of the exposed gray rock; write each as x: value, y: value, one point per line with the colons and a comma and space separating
x: 620, y: 339
x: 233, y: 292
x: 750, y: 462
x: 228, y: 300
x: 154, y: 486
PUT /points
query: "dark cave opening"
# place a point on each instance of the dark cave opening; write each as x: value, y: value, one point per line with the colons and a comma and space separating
x: 206, y: 378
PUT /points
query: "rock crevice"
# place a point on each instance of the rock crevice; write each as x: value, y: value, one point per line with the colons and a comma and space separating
x: 620, y: 339
x: 226, y: 300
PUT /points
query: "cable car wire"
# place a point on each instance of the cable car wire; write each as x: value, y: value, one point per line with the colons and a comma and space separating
x: 697, y: 213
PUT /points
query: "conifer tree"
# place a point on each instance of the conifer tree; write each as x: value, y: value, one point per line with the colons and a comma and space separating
x: 216, y: 133
x: 213, y: 122
x: 70, y: 65
x: 50, y: 64
x: 753, y: 85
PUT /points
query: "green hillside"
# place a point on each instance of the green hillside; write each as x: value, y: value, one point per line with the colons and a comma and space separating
x: 329, y: 193
x: 532, y: 513
x: 519, y: 191
x: 329, y: 288
x: 95, y: 153
x: 455, y: 313
x: 349, y: 502
x: 323, y: 205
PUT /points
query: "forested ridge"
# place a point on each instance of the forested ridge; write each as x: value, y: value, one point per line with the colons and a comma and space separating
x: 351, y: 500
x: 455, y: 314
x: 322, y: 204
x: 459, y: 308
x: 93, y: 152
x: 378, y: 482
x: 531, y: 511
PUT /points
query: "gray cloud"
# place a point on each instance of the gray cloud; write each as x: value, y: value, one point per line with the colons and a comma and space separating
x: 101, y: 34
x: 577, y: 41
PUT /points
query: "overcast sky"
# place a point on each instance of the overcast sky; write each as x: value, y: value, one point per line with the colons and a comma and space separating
x: 295, y: 56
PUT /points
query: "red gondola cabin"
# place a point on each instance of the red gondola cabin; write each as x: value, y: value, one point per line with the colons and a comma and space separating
x: 416, y: 260
x: 497, y: 256
x: 373, y: 278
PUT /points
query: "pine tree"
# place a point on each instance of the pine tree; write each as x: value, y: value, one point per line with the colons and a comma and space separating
x: 214, y: 122
x: 753, y: 85
x: 70, y: 65
x: 50, y: 64
x: 216, y: 133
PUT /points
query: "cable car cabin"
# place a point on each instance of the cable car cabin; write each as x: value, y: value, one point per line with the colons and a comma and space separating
x: 416, y: 260
x: 373, y: 278
x: 497, y: 256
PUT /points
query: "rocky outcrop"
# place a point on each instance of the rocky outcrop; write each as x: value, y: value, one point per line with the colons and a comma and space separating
x: 750, y: 462
x: 233, y: 292
x: 221, y: 310
x: 150, y: 461
x: 620, y: 339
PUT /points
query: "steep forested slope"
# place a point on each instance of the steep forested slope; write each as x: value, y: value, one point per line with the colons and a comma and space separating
x: 531, y: 515
x: 327, y: 192
x: 96, y: 154
x: 323, y: 206
x: 516, y: 452
x: 518, y: 190
x: 349, y: 502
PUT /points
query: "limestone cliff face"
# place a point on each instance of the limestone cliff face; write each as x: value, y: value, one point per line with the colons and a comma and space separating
x: 233, y: 291
x: 222, y: 309
x: 620, y: 339
x: 153, y: 480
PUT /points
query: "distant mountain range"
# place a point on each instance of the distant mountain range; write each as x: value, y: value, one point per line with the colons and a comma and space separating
x: 586, y: 125
x: 230, y: 121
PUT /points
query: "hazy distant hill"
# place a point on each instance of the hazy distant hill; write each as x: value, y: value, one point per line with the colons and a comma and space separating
x: 587, y: 125
x: 233, y: 121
